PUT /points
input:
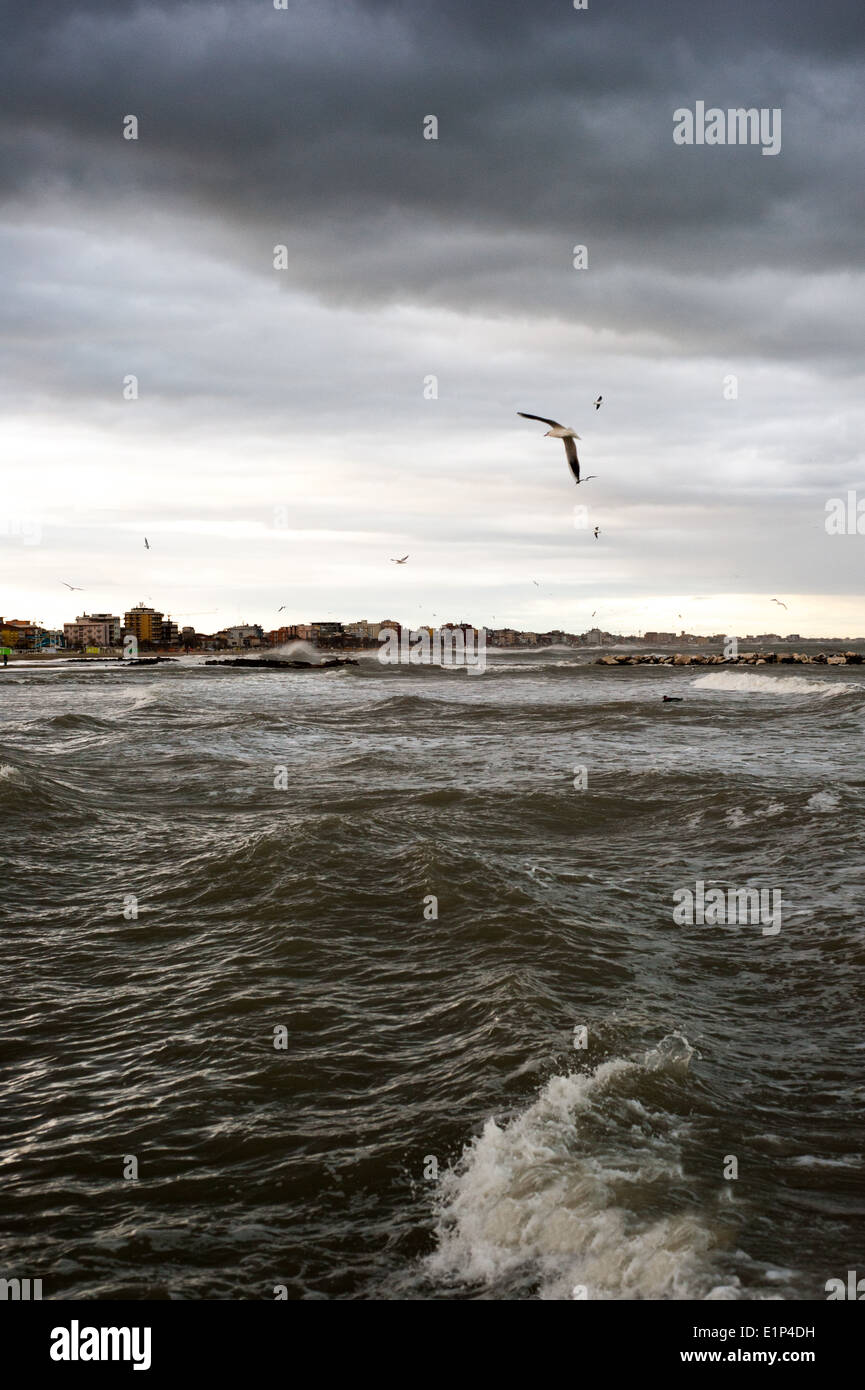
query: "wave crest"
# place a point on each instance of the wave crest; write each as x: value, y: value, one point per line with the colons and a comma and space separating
x: 754, y: 682
x: 547, y: 1194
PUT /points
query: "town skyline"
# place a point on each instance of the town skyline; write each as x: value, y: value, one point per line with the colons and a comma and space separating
x: 152, y: 628
x: 544, y: 609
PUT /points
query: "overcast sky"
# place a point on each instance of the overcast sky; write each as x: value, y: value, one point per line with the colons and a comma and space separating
x: 281, y: 448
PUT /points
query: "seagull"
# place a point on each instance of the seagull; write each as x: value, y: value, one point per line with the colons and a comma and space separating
x: 598, y: 402
x: 281, y: 610
x: 536, y: 584
x: 146, y: 543
x: 399, y: 562
x: 597, y: 532
x: 777, y: 600
x: 567, y: 435
x: 72, y: 586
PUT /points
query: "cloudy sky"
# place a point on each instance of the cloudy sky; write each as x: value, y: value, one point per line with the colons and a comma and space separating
x: 282, y: 446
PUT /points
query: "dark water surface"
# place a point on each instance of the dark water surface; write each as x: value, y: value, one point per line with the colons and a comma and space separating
x: 411, y: 1041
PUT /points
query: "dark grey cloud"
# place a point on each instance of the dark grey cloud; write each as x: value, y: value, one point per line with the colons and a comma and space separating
x: 555, y: 124
x: 407, y: 257
x: 304, y: 128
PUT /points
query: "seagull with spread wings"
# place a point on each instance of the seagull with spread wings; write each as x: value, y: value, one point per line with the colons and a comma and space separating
x: 567, y: 436
x: 399, y: 562
x: 72, y: 586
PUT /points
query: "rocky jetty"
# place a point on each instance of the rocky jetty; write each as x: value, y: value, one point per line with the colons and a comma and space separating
x: 125, y: 660
x: 272, y: 663
x: 743, y: 659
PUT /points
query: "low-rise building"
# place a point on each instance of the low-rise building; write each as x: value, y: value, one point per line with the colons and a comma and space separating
x: 19, y: 632
x: 243, y: 635
x: 323, y: 631
x: 93, y: 630
x: 368, y: 631
x: 289, y: 632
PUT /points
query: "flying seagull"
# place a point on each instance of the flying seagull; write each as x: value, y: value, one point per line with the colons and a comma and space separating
x: 399, y: 562
x: 72, y: 586
x: 146, y: 543
x: 777, y: 600
x: 536, y: 584
x: 598, y: 402
x: 281, y: 610
x: 597, y: 532
x: 567, y: 436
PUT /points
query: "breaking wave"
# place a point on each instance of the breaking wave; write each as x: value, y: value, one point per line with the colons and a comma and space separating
x: 559, y: 1196
x: 744, y: 682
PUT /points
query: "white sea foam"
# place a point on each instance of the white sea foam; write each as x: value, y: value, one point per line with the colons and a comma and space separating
x: 142, y: 696
x: 822, y: 801
x: 753, y: 682
x: 535, y: 1197
x: 821, y: 1161
x: 10, y: 773
x: 298, y: 650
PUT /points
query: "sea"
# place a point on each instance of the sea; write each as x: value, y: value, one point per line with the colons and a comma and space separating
x: 366, y: 983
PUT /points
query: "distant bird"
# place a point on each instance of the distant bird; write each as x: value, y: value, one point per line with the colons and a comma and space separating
x: 598, y: 402
x: 281, y: 610
x: 567, y: 436
x: 536, y: 584
x: 597, y: 532
x: 72, y: 586
x: 399, y: 562
x: 777, y: 600
x: 595, y: 612
x: 146, y: 543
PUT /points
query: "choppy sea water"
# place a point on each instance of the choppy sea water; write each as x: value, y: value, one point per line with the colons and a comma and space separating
x: 427, y: 1127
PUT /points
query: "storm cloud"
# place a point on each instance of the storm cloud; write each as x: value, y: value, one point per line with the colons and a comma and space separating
x: 452, y: 257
